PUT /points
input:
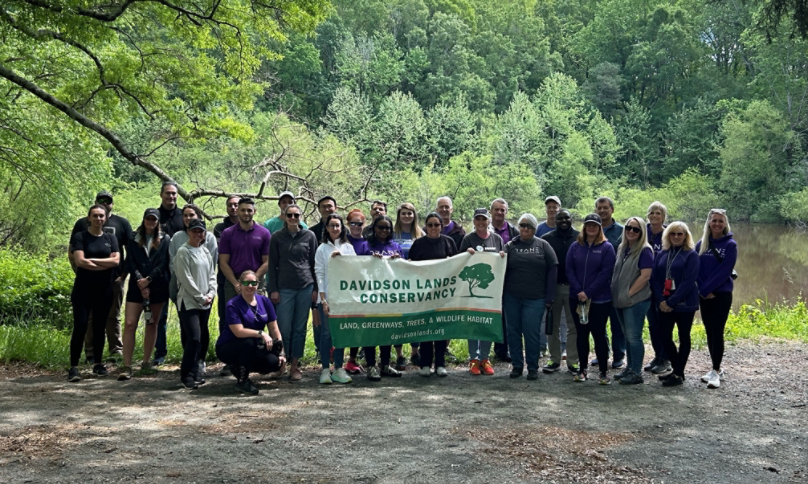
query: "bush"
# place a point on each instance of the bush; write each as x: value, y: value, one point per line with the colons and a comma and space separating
x: 35, y: 289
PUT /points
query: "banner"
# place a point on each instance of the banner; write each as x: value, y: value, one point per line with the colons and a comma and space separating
x: 377, y: 302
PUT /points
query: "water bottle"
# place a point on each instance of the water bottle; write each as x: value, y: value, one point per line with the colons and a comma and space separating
x: 147, y: 314
x: 584, y: 315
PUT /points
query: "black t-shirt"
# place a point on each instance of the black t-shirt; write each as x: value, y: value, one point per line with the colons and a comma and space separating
x: 426, y: 248
x: 492, y: 243
x: 528, y: 263
x: 94, y: 247
x: 117, y: 226
x: 221, y: 226
x: 171, y: 220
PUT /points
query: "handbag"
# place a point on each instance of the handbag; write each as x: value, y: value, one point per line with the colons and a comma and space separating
x: 720, y: 259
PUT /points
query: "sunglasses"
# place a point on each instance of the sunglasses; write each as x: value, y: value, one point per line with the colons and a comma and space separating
x: 355, y: 224
x: 432, y: 226
x: 249, y: 283
x: 292, y: 215
x: 525, y: 226
x: 384, y: 228
x: 677, y: 234
x: 717, y: 210
x: 636, y: 230
x: 104, y: 201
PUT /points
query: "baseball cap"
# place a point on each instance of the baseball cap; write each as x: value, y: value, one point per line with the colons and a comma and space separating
x: 287, y: 194
x: 552, y: 198
x: 594, y: 218
x: 196, y: 223
x: 151, y: 212
x: 482, y: 212
x: 104, y: 194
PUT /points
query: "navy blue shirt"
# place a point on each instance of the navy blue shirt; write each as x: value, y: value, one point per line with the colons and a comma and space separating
x: 239, y: 312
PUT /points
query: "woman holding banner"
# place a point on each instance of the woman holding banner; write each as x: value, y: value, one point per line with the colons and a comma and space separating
x: 380, y: 244
x: 530, y: 285
x: 335, y: 243
x: 405, y: 231
x: 434, y: 246
x: 356, y: 221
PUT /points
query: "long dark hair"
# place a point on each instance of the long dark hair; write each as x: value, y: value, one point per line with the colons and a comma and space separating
x: 157, y: 237
x: 343, y: 233
x: 372, y: 239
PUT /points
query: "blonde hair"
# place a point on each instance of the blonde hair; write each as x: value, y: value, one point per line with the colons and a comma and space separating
x: 658, y: 206
x: 642, y: 242
x: 705, y: 236
x: 415, y: 229
x: 688, y: 244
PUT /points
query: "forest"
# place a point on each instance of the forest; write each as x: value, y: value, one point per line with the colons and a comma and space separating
x: 697, y: 103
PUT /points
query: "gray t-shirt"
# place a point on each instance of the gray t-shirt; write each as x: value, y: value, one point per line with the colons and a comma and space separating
x: 492, y: 243
x: 528, y: 262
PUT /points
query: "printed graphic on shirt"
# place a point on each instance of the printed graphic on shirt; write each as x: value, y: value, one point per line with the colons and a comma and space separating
x: 478, y: 275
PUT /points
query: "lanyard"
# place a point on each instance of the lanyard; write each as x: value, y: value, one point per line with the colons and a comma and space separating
x: 670, y: 263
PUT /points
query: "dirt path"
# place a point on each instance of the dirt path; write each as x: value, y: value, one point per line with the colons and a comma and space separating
x: 455, y: 429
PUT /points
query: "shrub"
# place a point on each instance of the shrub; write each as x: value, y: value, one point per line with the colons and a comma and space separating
x: 35, y: 289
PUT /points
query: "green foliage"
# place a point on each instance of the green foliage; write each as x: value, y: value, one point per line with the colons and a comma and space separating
x: 794, y: 206
x: 35, y: 289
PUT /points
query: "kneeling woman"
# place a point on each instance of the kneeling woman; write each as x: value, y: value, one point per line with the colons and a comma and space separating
x: 243, y: 344
x: 147, y: 264
x: 196, y: 288
x: 380, y: 244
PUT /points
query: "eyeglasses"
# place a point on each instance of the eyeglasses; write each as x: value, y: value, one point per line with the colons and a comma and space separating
x: 677, y: 234
x: 630, y: 228
x: 355, y: 224
x: 104, y: 201
x: 293, y: 215
x: 335, y: 226
x: 384, y: 228
x: 525, y: 226
x: 432, y: 226
x: 249, y: 283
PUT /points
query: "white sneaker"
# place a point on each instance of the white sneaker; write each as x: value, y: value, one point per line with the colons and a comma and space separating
x: 722, y: 375
x: 341, y: 376
x: 202, y: 367
x: 441, y: 371
x: 325, y: 376
x: 715, y: 382
x: 710, y: 375
x: 425, y: 371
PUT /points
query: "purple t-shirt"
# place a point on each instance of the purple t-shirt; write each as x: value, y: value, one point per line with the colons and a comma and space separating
x: 360, y: 246
x: 388, y: 249
x: 448, y: 228
x: 655, y: 241
x: 646, y: 259
x: 245, y: 248
x: 239, y: 312
x: 504, y: 234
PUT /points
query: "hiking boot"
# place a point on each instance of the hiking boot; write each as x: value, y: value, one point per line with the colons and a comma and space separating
x: 532, y: 374
x: 631, y: 379
x: 486, y: 368
x: 73, y: 374
x: 100, y: 370
x: 474, y: 367
x: 125, y: 373
x: 551, y: 367
x: 341, y: 376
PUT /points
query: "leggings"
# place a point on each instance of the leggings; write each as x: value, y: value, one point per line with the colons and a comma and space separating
x: 684, y: 322
x: 714, y: 314
x: 204, y: 339
x: 436, y: 348
x: 244, y: 352
x: 384, y: 353
x: 194, y: 324
x: 87, y: 301
x: 598, y: 315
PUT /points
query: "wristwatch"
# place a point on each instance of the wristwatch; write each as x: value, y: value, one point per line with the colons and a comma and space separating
x: 260, y: 334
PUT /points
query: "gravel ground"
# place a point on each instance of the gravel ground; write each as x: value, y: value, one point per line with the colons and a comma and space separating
x: 455, y: 429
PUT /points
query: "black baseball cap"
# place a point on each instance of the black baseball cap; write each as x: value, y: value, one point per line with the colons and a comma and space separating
x: 104, y: 194
x: 594, y: 218
x: 196, y: 223
x: 482, y: 212
x: 151, y: 212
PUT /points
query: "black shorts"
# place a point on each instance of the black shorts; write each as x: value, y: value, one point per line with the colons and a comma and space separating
x: 159, y: 293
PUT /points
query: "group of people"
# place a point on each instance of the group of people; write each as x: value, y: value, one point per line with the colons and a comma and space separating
x: 561, y: 285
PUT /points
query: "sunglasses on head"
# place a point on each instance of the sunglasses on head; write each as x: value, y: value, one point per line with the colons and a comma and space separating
x: 630, y: 228
x: 292, y: 215
x: 718, y: 210
x: 249, y: 283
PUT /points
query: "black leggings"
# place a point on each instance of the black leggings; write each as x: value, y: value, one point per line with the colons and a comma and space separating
x: 244, y: 352
x: 436, y: 348
x: 384, y: 354
x: 204, y: 338
x: 684, y: 322
x: 598, y: 315
x: 86, y: 302
x: 714, y: 314
x: 194, y: 326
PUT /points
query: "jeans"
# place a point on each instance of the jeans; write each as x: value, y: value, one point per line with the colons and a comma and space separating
x: 479, y: 350
x: 87, y: 301
x: 618, y: 337
x: 293, y: 314
x: 684, y: 322
x: 430, y: 348
x: 561, y: 308
x: 655, y: 330
x: 632, y: 319
x: 524, y: 319
x: 714, y: 314
x: 161, y: 346
x: 501, y: 349
x: 598, y: 315
x: 325, y: 343
x: 113, y: 324
x: 317, y: 330
x: 192, y: 322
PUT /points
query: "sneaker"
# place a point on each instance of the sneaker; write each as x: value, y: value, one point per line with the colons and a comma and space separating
x: 159, y: 360
x: 373, y: 374
x: 722, y: 375
x: 246, y: 386
x: 225, y: 371
x: 516, y: 372
x: 604, y: 379
x: 651, y: 364
x: 125, y: 373
x: 100, y: 370
x: 415, y: 359
x: 401, y: 363
x: 631, y: 379
x: 390, y: 371
x: 474, y: 367
x: 189, y: 383
x: 573, y: 368
x: 450, y: 357
x: 352, y: 368
x: 673, y: 381
x: 199, y: 378
x: 325, y: 376
x: 619, y: 363
x: 714, y: 382
x: 580, y: 375
x: 563, y: 355
x: 201, y: 368
x: 622, y: 374
x: 663, y: 366
x: 710, y: 375
x: 73, y: 374
x: 532, y: 374
x: 486, y: 368
x: 551, y: 367
x: 425, y: 371
x: 341, y: 376
x: 666, y: 376
x: 441, y: 371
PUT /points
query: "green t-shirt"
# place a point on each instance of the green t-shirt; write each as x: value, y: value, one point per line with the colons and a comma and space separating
x: 275, y: 223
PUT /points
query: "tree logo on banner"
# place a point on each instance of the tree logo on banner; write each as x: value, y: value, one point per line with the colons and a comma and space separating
x: 478, y: 275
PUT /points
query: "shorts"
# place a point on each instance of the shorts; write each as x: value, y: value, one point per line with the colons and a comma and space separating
x: 159, y: 293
